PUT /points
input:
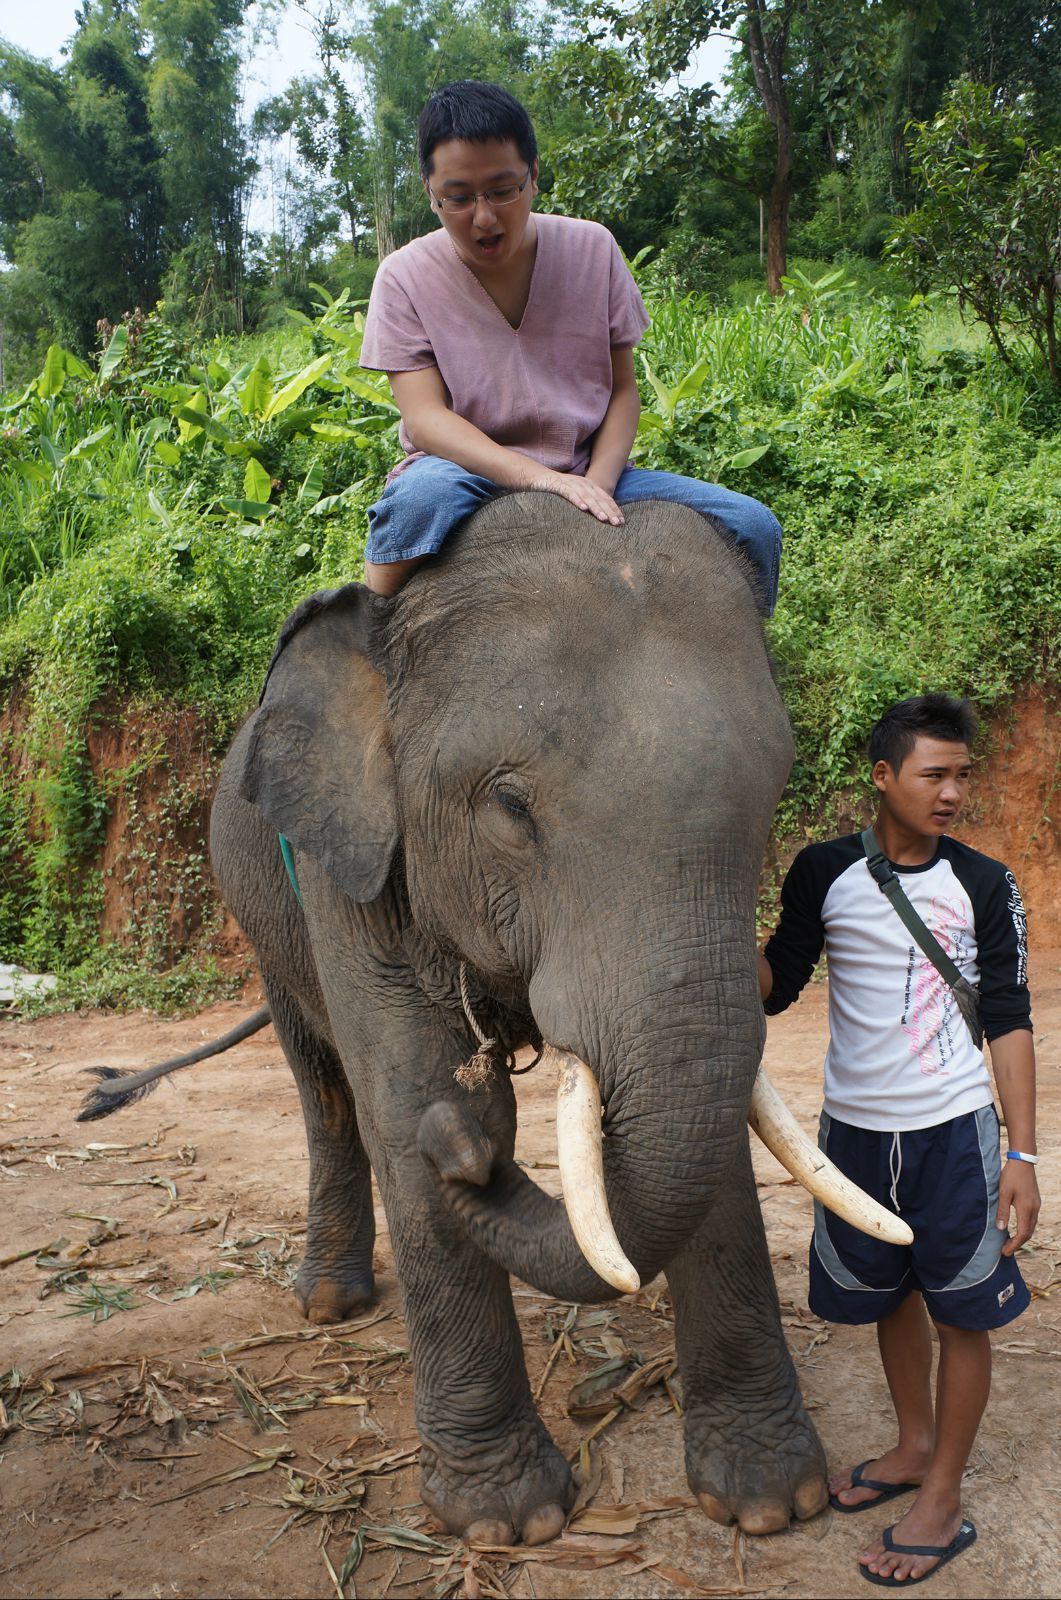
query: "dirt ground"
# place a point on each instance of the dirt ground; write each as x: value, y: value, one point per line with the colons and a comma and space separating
x: 170, y: 1426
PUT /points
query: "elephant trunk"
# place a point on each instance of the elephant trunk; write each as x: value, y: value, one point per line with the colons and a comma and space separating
x: 570, y: 1249
x: 670, y: 1040
x: 578, y: 1143
x: 676, y: 1101
x: 525, y: 1231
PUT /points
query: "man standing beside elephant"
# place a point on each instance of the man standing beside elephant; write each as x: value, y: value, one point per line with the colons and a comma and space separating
x: 508, y: 339
x: 909, y: 1113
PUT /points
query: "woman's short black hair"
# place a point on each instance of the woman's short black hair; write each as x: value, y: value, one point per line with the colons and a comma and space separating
x: 476, y: 112
x: 931, y: 716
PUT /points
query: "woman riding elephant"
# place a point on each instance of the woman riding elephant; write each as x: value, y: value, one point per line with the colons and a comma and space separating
x: 508, y: 339
x: 526, y: 795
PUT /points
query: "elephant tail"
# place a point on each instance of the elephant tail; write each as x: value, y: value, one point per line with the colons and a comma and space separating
x: 117, y: 1089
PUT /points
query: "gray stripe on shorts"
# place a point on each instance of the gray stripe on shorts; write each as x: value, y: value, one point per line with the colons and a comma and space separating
x: 984, y: 1259
x: 823, y: 1244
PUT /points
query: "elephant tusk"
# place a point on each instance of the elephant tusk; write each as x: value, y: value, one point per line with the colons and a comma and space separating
x: 579, y: 1155
x: 782, y: 1135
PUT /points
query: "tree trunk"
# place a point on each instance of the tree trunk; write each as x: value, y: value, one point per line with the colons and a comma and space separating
x: 383, y: 199
x: 767, y: 42
x: 384, y: 224
x: 777, y: 227
x: 349, y: 205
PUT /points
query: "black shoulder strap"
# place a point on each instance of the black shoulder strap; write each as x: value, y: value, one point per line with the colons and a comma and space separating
x: 889, y: 885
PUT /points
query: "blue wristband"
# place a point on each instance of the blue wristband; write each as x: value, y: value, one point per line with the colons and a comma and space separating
x: 1021, y: 1155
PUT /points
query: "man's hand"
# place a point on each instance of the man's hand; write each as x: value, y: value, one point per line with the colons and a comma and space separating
x: 581, y: 492
x: 1019, y: 1192
x: 766, y: 977
x: 1013, y: 1058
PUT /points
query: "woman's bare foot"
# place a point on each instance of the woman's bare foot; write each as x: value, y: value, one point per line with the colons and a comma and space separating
x: 387, y: 577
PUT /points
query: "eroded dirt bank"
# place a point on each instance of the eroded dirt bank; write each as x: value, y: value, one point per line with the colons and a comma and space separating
x: 200, y: 1440
x: 157, y: 769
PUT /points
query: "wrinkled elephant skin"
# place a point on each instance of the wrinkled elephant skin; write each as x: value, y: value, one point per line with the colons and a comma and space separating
x: 554, y: 757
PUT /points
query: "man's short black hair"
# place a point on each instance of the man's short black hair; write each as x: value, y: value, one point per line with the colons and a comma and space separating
x: 932, y: 716
x: 476, y: 112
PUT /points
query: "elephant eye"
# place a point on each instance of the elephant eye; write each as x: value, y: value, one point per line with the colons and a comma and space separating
x: 512, y: 800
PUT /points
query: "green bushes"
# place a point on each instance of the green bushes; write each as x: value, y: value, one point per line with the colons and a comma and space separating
x: 160, y: 515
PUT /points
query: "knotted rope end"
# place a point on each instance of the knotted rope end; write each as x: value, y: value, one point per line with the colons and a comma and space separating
x: 478, y: 1070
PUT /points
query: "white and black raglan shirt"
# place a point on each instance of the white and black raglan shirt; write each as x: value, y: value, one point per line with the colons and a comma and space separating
x: 900, y: 1054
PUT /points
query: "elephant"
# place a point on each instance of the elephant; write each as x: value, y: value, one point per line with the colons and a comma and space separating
x: 528, y: 798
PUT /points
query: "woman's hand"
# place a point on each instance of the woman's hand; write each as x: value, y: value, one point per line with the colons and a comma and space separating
x: 581, y: 492
x: 424, y: 404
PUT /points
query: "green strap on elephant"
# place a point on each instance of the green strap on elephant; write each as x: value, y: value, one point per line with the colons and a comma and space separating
x: 289, y: 863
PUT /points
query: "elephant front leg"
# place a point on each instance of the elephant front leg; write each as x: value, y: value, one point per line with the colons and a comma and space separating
x: 752, y: 1454
x: 489, y: 1468
x: 335, y: 1279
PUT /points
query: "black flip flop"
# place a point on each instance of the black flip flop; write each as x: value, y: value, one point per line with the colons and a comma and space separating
x: 885, y: 1491
x: 965, y: 1536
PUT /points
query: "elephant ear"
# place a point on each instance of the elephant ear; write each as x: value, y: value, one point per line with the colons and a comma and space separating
x: 318, y: 763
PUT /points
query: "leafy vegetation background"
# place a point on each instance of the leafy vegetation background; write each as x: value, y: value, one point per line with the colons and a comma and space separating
x: 188, y: 447
x: 169, y: 504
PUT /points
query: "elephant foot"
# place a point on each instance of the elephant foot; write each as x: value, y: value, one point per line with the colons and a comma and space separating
x: 517, y: 1490
x: 333, y: 1296
x: 759, y: 1477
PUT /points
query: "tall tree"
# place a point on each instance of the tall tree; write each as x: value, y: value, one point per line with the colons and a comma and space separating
x: 766, y: 31
x: 406, y: 48
x: 81, y: 204
x: 395, y: 50
x: 988, y: 222
x: 656, y: 42
x: 832, y: 83
x: 195, y: 116
x: 354, y: 121
x: 1010, y: 46
x: 613, y: 148
x: 128, y: 160
x: 321, y: 113
x: 836, y: 67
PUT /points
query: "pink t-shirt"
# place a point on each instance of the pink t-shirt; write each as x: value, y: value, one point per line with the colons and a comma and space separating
x: 542, y: 388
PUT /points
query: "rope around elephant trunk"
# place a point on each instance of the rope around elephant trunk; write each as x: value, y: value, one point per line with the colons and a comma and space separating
x: 478, y: 1070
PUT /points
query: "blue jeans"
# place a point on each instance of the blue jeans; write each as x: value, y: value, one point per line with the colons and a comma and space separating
x: 422, y: 506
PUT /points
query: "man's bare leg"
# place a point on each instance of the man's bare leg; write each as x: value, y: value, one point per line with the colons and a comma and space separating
x: 387, y: 577
x: 906, y: 1354
x: 962, y: 1387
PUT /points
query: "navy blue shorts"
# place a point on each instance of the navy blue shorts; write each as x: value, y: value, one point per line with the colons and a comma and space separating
x: 944, y: 1182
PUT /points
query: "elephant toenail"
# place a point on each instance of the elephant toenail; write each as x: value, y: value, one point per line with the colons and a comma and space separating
x: 322, y: 1316
x: 717, y: 1510
x: 488, y: 1530
x: 763, y: 1516
x: 811, y: 1497
x: 543, y: 1524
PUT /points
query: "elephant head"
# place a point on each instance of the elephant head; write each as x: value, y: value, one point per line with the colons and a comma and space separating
x: 562, y: 747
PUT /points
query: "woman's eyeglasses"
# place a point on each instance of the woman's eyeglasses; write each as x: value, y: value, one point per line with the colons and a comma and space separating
x: 506, y: 195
